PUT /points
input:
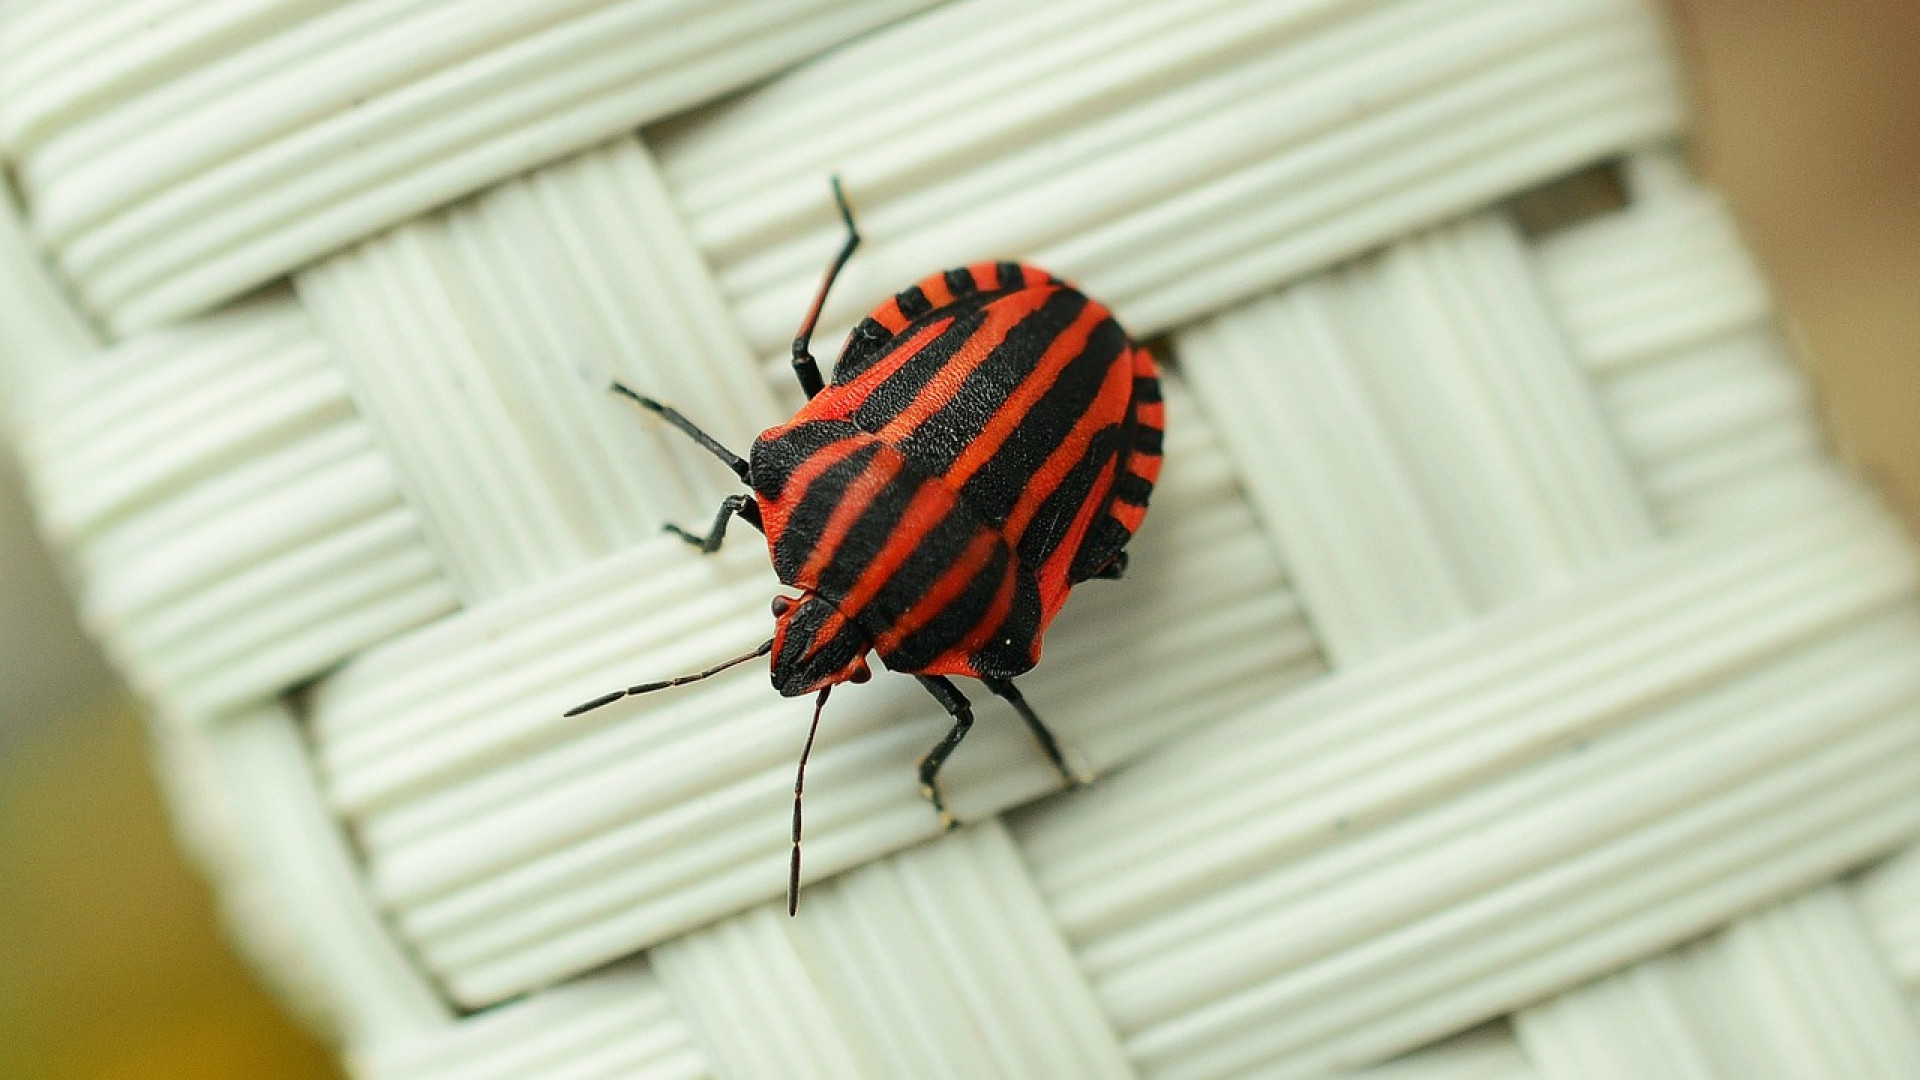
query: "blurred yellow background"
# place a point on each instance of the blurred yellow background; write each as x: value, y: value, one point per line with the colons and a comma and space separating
x: 110, y: 962
x: 1808, y: 117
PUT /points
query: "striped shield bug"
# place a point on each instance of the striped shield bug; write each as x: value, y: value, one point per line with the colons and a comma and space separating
x: 988, y: 441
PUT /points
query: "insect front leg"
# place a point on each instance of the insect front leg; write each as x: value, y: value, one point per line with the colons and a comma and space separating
x: 1041, y: 733
x: 742, y: 505
x: 952, y: 700
x: 805, y: 368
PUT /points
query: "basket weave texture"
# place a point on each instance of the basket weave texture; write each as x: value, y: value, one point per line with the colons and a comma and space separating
x: 1506, y: 683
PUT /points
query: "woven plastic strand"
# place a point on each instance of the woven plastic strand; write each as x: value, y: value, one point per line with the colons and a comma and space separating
x: 616, y: 1023
x: 1668, y: 313
x: 254, y: 144
x: 1416, y: 485
x: 1796, y: 990
x: 1208, y: 943
x: 1267, y: 131
x: 483, y: 342
x: 1887, y: 899
x: 237, y: 529
x: 247, y: 803
x: 45, y: 334
x: 939, y: 962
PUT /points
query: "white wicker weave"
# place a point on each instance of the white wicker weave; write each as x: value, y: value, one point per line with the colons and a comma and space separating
x: 1507, y: 682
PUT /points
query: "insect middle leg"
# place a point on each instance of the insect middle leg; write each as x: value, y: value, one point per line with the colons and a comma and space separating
x: 805, y: 368
x: 742, y: 505
x: 1041, y: 733
x: 952, y: 700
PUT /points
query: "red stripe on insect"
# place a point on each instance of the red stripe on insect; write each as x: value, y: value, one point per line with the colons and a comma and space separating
x: 1146, y: 467
x: 890, y: 316
x: 1001, y: 319
x: 890, y: 364
x: 777, y: 511
x: 962, y: 658
x: 1109, y: 402
x: 995, y: 617
x: 1128, y: 514
x: 859, y: 494
x: 930, y: 503
x: 938, y: 293
x: 952, y: 582
x: 1008, y: 417
x: 1053, y: 576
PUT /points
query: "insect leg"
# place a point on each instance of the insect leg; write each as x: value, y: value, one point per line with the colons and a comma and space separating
x: 952, y: 700
x: 1041, y: 734
x: 707, y: 442
x: 805, y: 368
x: 742, y: 505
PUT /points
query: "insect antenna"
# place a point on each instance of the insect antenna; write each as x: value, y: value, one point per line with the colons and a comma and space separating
x: 672, y: 416
x: 800, y: 785
x: 648, y: 688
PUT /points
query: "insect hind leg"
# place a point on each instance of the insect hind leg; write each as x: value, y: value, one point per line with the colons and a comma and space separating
x: 1041, y: 733
x: 952, y: 700
x: 805, y: 367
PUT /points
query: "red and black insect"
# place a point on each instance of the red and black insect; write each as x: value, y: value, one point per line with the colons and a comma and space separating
x: 989, y: 440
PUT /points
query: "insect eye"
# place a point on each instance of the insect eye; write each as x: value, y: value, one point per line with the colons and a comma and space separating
x: 860, y: 674
x: 782, y: 605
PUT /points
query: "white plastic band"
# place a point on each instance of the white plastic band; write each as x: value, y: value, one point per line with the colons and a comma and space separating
x: 1796, y: 990
x: 1668, y: 313
x: 1889, y: 897
x: 940, y: 962
x: 236, y: 529
x: 1417, y: 437
x: 44, y: 334
x: 614, y: 1023
x: 1173, y: 159
x: 1428, y: 840
x: 174, y: 155
x: 482, y: 344
x: 243, y: 799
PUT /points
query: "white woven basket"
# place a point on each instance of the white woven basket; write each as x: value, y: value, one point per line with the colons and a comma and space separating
x: 1504, y: 654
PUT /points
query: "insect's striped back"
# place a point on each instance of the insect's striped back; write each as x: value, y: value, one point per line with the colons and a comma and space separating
x: 952, y: 292
x: 989, y: 439
x: 1019, y: 390
x: 899, y: 561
